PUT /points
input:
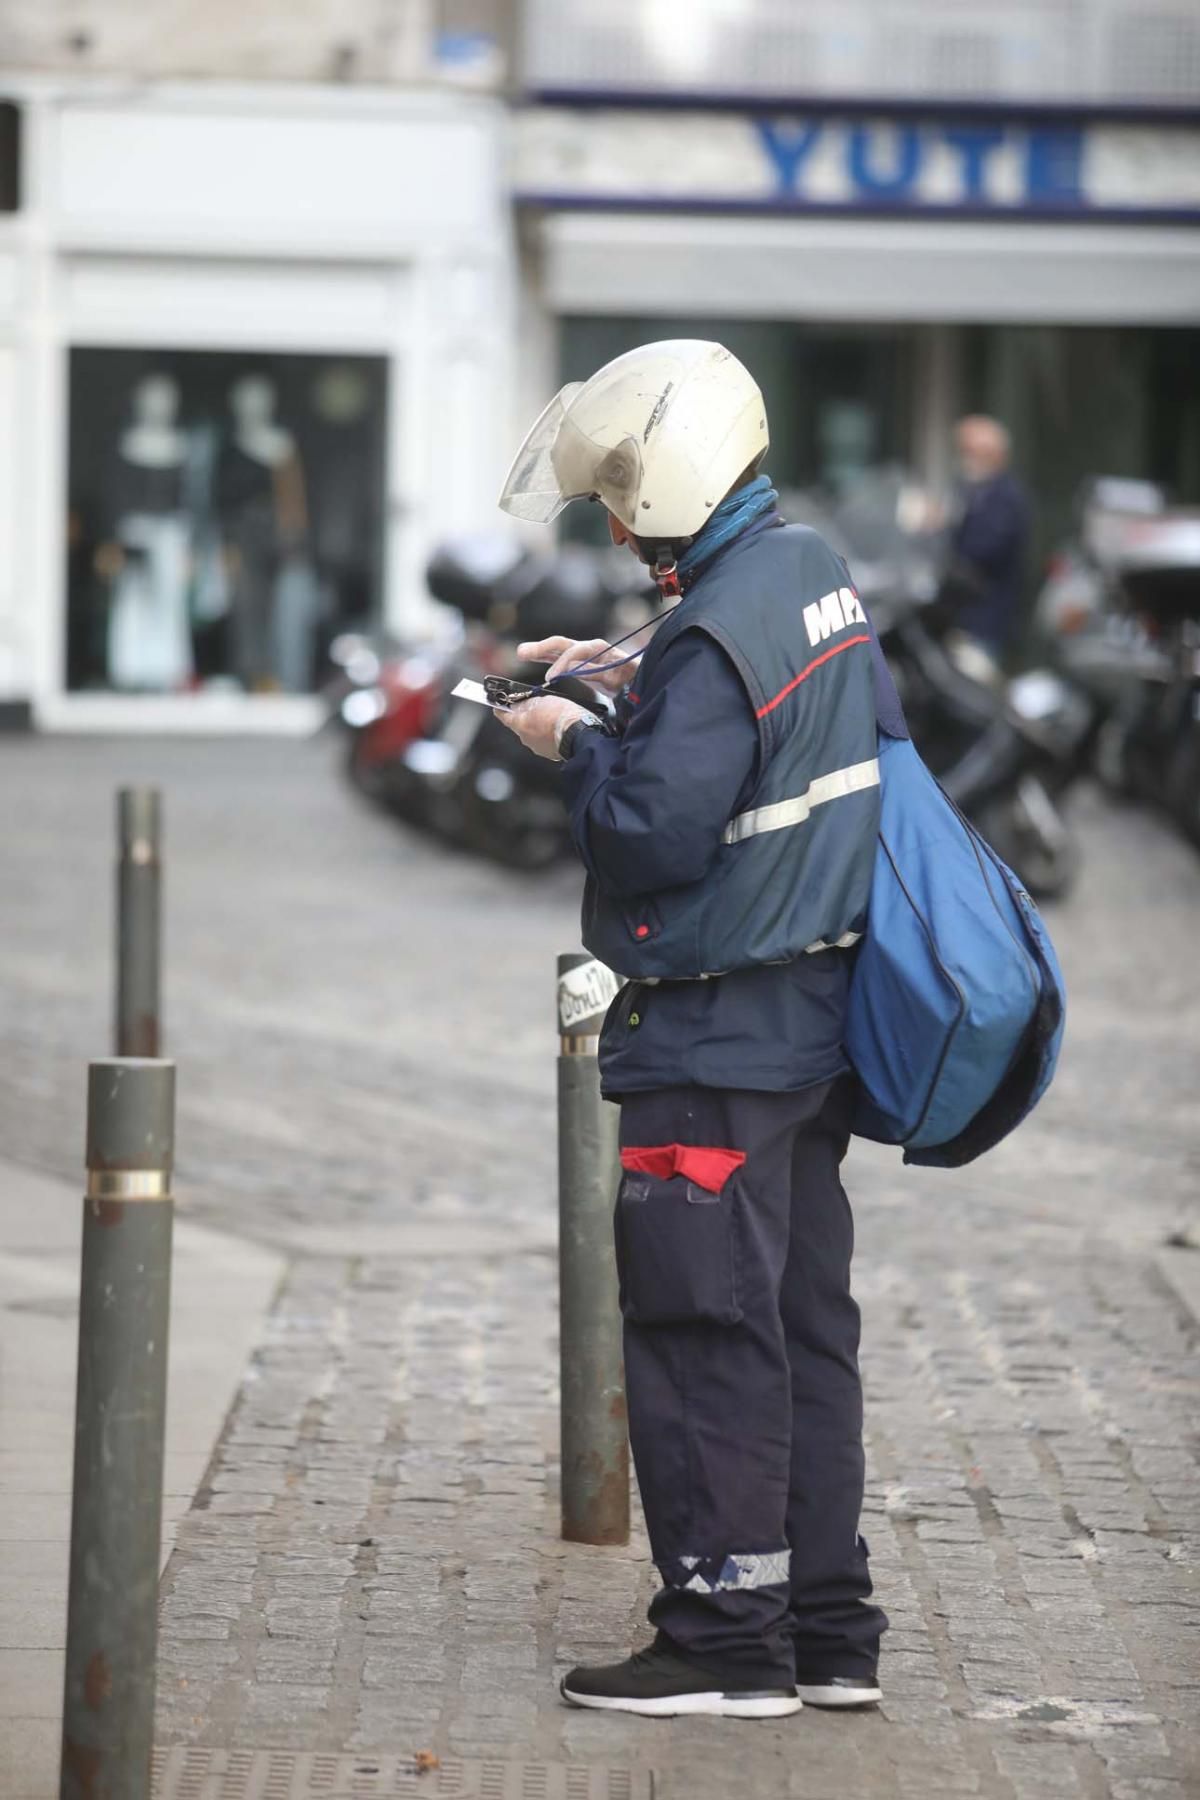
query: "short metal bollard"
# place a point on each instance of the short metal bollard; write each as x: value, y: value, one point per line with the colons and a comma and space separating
x: 138, y: 1030
x: 120, y: 1413
x: 595, y: 1442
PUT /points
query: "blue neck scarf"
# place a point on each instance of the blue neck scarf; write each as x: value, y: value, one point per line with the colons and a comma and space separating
x: 731, y: 518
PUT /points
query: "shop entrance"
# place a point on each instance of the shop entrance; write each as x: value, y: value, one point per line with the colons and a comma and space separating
x: 224, y: 516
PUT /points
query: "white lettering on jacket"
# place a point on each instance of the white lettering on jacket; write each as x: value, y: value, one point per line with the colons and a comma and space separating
x: 833, y: 612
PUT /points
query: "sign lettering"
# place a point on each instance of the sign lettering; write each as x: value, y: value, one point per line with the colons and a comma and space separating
x: 897, y: 164
x: 832, y: 612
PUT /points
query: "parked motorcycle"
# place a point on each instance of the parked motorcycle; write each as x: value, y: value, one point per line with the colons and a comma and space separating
x: 1123, y: 604
x: 447, y: 764
x: 386, y: 699
x: 1006, y: 750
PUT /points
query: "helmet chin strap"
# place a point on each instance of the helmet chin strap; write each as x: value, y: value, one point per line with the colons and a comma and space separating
x: 666, y: 575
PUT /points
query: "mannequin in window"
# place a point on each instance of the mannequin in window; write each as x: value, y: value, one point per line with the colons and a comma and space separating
x: 260, y: 487
x: 146, y: 561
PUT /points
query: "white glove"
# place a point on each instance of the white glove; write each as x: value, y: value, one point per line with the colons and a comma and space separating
x: 564, y: 654
x: 540, y: 723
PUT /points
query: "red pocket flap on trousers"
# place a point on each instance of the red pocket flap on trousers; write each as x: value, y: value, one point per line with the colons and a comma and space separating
x: 710, y: 1169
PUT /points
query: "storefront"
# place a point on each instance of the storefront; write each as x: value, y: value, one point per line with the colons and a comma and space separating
x: 245, y: 336
x: 885, y: 274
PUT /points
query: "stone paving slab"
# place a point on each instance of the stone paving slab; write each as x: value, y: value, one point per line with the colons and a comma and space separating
x: 199, y: 1774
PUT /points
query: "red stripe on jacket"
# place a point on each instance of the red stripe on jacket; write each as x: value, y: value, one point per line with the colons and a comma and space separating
x: 805, y: 673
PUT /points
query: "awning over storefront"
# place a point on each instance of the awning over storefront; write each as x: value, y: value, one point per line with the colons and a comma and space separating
x: 927, y: 270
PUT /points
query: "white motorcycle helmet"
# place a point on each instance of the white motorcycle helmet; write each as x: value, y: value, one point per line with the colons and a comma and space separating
x: 659, y: 435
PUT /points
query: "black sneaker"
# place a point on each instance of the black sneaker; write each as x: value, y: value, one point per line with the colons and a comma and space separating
x: 658, y: 1684
x: 840, y: 1691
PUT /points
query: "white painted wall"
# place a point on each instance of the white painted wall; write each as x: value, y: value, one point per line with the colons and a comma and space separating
x: 323, y: 40
x: 13, y: 656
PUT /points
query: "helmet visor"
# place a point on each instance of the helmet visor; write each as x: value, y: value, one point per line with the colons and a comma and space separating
x: 559, y: 463
x: 532, y: 489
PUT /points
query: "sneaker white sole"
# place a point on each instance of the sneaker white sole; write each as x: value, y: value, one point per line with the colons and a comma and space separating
x: 670, y: 1706
x: 839, y: 1696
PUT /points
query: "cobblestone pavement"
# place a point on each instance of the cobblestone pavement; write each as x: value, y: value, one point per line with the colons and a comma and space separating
x: 363, y: 1024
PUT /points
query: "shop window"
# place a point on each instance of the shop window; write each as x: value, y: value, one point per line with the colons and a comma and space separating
x: 224, y: 516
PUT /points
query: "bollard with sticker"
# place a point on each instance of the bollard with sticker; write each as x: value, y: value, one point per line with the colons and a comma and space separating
x: 595, y: 1441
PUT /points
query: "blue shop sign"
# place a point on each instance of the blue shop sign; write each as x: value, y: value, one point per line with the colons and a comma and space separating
x: 683, y: 160
x: 885, y: 163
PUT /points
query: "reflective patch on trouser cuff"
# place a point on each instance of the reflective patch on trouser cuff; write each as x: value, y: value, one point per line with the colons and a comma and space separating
x: 726, y: 1574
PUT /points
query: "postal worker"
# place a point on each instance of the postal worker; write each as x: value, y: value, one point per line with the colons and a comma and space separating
x: 726, y: 819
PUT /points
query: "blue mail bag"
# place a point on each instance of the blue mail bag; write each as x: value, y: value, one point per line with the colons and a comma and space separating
x: 956, y: 1007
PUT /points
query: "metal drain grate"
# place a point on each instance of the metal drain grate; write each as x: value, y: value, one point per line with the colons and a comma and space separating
x: 195, y: 1774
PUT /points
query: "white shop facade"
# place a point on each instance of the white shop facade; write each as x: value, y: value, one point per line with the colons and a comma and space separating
x: 255, y: 349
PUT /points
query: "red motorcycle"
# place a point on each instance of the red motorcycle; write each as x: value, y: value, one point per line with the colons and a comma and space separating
x: 446, y: 764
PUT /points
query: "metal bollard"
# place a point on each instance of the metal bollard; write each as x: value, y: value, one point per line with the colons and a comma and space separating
x: 120, y: 1411
x: 595, y: 1442
x: 139, y: 926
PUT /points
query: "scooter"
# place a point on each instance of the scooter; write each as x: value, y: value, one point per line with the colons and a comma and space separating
x: 447, y: 764
x: 1123, y: 604
x: 1006, y: 750
x: 1004, y: 753
x: 387, y: 698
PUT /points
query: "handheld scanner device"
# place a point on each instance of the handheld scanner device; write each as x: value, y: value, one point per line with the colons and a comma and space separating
x: 501, y: 690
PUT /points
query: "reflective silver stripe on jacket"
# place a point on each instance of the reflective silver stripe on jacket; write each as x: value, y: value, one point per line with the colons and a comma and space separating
x: 834, y: 786
x: 753, y: 1570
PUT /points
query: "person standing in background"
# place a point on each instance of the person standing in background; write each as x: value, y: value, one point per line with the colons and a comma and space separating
x: 989, y: 537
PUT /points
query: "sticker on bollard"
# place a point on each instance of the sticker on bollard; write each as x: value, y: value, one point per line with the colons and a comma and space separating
x: 586, y: 990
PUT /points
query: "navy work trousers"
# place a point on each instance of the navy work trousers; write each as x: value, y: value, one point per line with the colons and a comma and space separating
x: 741, y: 1362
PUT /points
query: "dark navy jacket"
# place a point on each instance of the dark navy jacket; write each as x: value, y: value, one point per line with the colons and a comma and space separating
x: 730, y: 832
x: 991, y: 538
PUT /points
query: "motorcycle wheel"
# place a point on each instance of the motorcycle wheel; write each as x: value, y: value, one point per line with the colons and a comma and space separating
x: 363, y: 774
x: 532, y: 850
x: 390, y: 787
x: 529, y: 834
x: 1113, y: 762
x: 1046, y: 861
x: 515, y: 843
x: 1183, y: 784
